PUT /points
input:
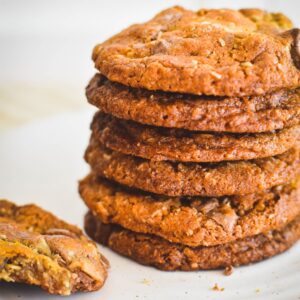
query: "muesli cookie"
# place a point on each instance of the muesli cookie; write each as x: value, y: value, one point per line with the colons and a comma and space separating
x: 151, y: 250
x: 263, y: 113
x: 158, y: 143
x: 38, y: 248
x: 192, y: 179
x: 192, y: 221
x: 210, y: 51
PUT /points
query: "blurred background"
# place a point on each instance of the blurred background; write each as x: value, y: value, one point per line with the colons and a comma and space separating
x: 45, y: 48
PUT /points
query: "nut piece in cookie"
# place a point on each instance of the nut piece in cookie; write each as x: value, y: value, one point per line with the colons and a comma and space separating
x: 38, y: 248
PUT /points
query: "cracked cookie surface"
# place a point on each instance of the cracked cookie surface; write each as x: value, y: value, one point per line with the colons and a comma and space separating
x: 38, y: 248
x: 192, y: 179
x: 150, y: 250
x: 180, y: 145
x: 248, y: 114
x: 210, y: 51
x: 192, y: 221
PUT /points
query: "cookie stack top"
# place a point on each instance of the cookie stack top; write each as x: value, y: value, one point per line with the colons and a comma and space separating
x: 211, y: 52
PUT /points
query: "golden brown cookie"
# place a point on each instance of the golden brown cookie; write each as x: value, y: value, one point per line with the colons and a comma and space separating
x: 154, y: 251
x: 158, y: 144
x: 192, y: 179
x: 248, y: 114
x: 210, y: 51
x: 192, y: 221
x: 38, y: 248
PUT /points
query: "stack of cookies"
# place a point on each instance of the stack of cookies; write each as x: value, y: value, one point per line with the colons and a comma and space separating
x: 194, y: 151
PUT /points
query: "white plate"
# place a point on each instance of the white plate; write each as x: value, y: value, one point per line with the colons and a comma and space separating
x: 42, y: 163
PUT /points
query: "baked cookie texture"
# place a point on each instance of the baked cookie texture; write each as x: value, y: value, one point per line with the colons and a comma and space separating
x: 39, y: 249
x: 192, y: 221
x: 193, y: 179
x: 154, y: 251
x: 194, y: 152
x: 159, y: 144
x: 262, y: 113
x: 210, y: 51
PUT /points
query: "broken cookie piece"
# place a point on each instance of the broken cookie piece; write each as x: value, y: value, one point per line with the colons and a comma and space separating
x: 38, y: 248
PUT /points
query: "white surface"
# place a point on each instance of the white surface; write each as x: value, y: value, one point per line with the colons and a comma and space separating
x: 42, y: 162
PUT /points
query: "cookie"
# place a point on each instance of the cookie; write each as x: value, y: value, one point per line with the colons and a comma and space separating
x: 192, y: 179
x: 192, y: 221
x: 181, y: 145
x: 154, y: 251
x: 37, y: 248
x: 210, y: 51
x: 221, y: 114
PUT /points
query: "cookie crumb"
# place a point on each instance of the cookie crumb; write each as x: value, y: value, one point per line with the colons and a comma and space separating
x: 217, y: 288
x: 228, y: 270
x: 146, y: 281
